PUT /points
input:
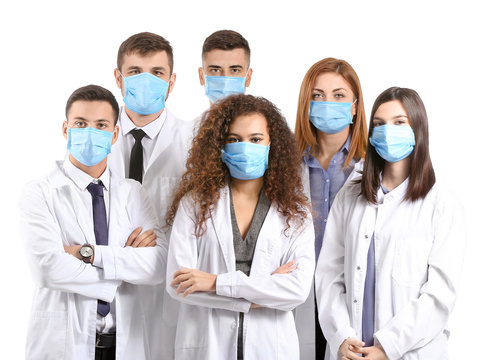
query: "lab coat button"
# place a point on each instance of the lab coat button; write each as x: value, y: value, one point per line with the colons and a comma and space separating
x: 326, y: 200
x: 358, y: 267
x: 234, y: 325
x: 325, y: 220
x: 366, y: 236
x: 355, y: 301
x: 327, y: 180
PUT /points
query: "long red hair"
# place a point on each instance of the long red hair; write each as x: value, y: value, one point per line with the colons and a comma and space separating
x: 306, y: 133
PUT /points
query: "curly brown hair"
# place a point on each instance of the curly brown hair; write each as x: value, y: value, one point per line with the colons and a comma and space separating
x: 206, y: 173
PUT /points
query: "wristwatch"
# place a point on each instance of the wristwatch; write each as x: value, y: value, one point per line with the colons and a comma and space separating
x: 86, y: 251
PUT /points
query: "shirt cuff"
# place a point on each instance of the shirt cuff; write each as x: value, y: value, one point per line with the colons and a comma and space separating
x: 97, y: 259
x: 392, y: 352
x: 338, y: 338
x: 107, y: 261
x: 225, y: 285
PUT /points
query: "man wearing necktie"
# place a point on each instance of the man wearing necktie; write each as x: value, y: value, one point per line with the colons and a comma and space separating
x: 152, y: 149
x: 91, y: 239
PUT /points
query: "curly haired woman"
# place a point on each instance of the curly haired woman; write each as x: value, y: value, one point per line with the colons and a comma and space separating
x: 241, y: 250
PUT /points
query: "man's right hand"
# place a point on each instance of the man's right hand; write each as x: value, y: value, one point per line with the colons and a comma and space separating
x: 138, y: 239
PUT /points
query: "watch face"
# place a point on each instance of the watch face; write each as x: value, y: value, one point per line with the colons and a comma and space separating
x: 86, y: 251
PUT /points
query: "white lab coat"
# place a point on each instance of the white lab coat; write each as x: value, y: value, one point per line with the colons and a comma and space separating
x: 160, y: 180
x: 63, y: 316
x: 207, y: 327
x: 305, y: 313
x: 419, y: 250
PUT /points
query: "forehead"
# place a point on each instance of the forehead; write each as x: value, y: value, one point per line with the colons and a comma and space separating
x: 225, y: 58
x: 249, y: 124
x: 330, y: 81
x: 390, y: 110
x: 91, y: 110
x: 147, y: 61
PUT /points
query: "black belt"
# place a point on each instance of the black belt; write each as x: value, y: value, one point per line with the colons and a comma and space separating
x: 106, y: 341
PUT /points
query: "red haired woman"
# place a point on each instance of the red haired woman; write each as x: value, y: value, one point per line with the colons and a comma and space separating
x: 331, y: 136
x: 241, y: 252
x: 389, y: 267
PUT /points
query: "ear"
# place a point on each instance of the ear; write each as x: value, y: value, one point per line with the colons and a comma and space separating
x: 116, y: 132
x: 353, y: 110
x: 118, y: 80
x: 248, y: 77
x: 202, y: 79
x: 171, y: 84
x: 65, y: 128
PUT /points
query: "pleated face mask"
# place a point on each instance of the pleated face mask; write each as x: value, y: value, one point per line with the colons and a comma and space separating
x: 88, y: 145
x: 219, y: 87
x: 393, y: 142
x: 245, y: 160
x: 145, y: 93
x: 330, y: 117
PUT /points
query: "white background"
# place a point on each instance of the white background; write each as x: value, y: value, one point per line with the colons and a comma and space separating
x: 441, y: 49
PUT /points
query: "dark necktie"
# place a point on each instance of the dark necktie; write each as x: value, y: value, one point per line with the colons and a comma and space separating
x: 100, y: 229
x: 136, y: 165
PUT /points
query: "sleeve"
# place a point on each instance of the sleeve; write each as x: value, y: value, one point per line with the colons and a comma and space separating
x: 145, y: 265
x: 51, y: 266
x: 278, y: 291
x: 334, y: 316
x: 425, y: 317
x: 183, y: 252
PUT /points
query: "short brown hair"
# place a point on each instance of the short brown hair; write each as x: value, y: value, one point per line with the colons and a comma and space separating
x: 422, y: 177
x: 225, y: 40
x: 305, y: 131
x: 93, y: 93
x: 145, y: 43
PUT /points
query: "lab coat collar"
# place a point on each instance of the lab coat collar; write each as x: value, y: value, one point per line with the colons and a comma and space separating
x: 221, y: 219
x: 152, y: 129
x: 397, y: 194
x: 82, y: 179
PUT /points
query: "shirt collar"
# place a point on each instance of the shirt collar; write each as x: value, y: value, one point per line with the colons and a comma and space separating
x: 152, y: 129
x: 312, y: 161
x: 82, y: 179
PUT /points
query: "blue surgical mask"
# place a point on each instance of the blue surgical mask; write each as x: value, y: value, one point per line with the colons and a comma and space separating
x: 145, y: 93
x: 245, y: 160
x: 88, y: 145
x: 393, y: 142
x: 330, y: 117
x: 219, y: 87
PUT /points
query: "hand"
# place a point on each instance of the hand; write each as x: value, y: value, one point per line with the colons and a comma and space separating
x: 286, y: 268
x: 192, y: 280
x: 146, y: 239
x: 348, y: 349
x: 372, y: 352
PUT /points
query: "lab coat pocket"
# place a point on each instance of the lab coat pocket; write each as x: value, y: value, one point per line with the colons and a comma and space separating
x: 410, y: 263
x: 48, y: 332
x: 168, y: 187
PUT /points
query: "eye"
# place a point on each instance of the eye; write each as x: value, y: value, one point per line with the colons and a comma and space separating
x: 232, y: 139
x: 378, y: 123
x: 159, y: 73
x: 133, y: 72
x: 339, y: 96
x: 80, y: 124
x: 235, y: 71
x: 317, y: 96
x: 102, y: 126
x: 214, y: 71
x: 256, y: 140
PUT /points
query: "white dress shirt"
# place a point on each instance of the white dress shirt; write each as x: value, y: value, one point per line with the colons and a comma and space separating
x: 148, y: 142
x: 104, y: 324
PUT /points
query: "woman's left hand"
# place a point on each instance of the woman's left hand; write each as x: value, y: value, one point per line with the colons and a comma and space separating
x: 192, y: 280
x: 371, y: 352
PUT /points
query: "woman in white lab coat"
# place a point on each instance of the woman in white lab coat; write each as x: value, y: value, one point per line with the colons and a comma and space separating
x: 331, y: 135
x: 241, y: 253
x: 393, y: 247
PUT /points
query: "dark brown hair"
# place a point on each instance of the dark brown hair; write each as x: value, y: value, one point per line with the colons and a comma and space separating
x: 306, y: 133
x: 145, y: 43
x: 93, y: 93
x: 206, y: 174
x: 225, y: 40
x: 422, y: 177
